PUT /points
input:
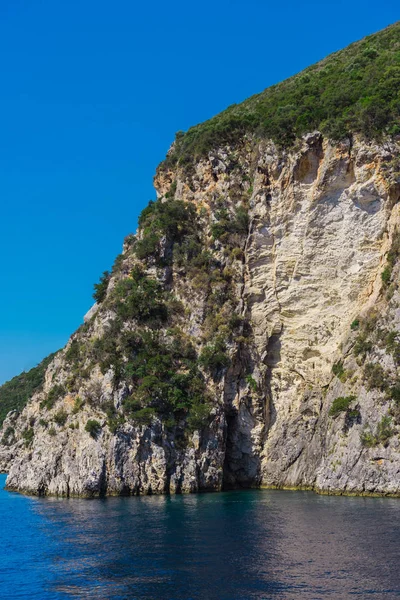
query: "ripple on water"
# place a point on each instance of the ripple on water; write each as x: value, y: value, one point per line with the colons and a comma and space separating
x: 232, y: 545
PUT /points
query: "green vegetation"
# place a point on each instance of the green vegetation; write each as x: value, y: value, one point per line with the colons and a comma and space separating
x: 8, y: 436
x: 353, y: 414
x: 214, y: 357
x: 165, y: 376
x: 172, y: 220
x: 141, y: 415
x: 93, y: 427
x: 55, y: 393
x: 156, y: 361
x: 351, y: 91
x: 15, y: 393
x: 384, y: 431
x: 100, y: 289
x: 362, y: 345
x: 227, y: 224
x: 73, y: 354
x: 367, y: 332
x: 355, y: 325
x: 28, y: 435
x: 394, y: 393
x: 60, y: 418
x: 392, y: 257
x: 340, y: 404
x: 114, y: 419
x: 161, y: 369
x: 140, y: 297
x: 171, y: 234
x: 78, y: 403
x: 386, y: 275
x: 252, y: 383
x: 338, y: 370
x: 199, y: 416
x: 376, y: 377
x: 371, y: 336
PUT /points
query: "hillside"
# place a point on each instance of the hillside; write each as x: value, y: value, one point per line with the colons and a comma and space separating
x: 14, y: 394
x: 352, y: 91
x: 249, y: 333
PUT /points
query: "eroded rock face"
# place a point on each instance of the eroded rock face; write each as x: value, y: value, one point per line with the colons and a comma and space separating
x: 321, y: 221
x: 136, y: 461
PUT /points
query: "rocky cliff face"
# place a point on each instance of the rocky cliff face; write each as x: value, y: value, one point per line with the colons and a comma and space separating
x: 248, y: 335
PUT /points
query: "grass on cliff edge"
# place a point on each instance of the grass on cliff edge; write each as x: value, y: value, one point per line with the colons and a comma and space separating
x: 14, y: 394
x: 355, y: 90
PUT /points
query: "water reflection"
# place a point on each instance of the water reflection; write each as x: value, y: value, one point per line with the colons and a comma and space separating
x: 235, y: 545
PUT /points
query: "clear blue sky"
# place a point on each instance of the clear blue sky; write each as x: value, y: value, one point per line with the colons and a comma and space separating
x: 92, y: 93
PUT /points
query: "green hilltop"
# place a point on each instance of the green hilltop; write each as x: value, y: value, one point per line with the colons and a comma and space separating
x: 355, y: 90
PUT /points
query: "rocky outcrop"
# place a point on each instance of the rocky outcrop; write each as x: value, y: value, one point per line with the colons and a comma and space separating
x: 304, y: 282
x: 133, y: 462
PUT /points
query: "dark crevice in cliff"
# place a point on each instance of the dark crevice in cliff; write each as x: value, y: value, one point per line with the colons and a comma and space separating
x: 272, y: 359
x: 241, y: 465
x: 244, y: 410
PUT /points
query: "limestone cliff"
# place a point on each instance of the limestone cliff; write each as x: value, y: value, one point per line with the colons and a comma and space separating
x: 248, y: 335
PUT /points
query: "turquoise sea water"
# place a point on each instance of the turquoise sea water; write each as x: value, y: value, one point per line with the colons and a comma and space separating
x: 233, y: 545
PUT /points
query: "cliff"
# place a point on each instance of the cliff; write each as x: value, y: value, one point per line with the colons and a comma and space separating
x: 249, y: 333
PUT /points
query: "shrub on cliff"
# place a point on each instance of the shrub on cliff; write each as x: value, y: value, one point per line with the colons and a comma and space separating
x: 159, y: 367
x: 383, y: 432
x: 226, y: 225
x: 147, y: 246
x: 100, y: 289
x: 199, y: 416
x: 362, y: 345
x: 338, y: 370
x: 60, y: 418
x: 8, y: 436
x: 140, y: 297
x: 386, y: 275
x: 251, y: 382
x: 93, y: 427
x: 54, y: 394
x: 214, y: 357
x: 73, y: 353
x: 142, y: 415
x: 28, y: 435
x: 77, y: 405
x: 171, y: 220
x: 340, y: 404
x: 376, y: 377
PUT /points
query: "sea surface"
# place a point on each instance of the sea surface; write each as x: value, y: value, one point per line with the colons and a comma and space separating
x: 232, y: 545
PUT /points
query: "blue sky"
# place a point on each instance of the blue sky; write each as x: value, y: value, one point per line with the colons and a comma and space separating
x: 92, y: 94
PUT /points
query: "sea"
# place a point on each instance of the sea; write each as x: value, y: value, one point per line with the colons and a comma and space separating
x: 249, y: 544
